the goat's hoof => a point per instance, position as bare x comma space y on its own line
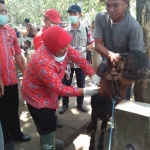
89, 128
92, 148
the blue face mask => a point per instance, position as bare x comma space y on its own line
59, 59
3, 19
73, 19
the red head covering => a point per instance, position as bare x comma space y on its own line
55, 38
53, 15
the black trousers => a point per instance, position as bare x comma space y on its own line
44, 119
32, 36
80, 77
9, 105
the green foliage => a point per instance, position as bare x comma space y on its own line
34, 9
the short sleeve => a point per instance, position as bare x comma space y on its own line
90, 39
136, 41
98, 33
16, 46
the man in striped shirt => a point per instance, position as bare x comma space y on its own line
81, 40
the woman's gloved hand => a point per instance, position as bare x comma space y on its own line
91, 91
95, 79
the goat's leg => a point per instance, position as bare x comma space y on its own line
93, 131
89, 127
101, 138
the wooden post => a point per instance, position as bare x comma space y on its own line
96, 59
142, 88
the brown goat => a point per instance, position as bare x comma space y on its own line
116, 82
133, 66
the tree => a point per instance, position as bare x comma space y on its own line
142, 88
34, 9
143, 17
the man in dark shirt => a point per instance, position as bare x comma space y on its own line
117, 32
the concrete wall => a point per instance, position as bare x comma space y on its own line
132, 125
96, 59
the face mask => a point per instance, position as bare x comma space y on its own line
3, 19
49, 25
73, 19
54, 25
59, 59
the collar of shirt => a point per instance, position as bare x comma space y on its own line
52, 56
70, 28
4, 27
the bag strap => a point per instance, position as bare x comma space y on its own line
86, 29
111, 33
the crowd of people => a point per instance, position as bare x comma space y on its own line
59, 53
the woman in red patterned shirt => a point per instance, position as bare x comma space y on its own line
42, 81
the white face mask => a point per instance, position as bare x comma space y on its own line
50, 25
54, 25
59, 59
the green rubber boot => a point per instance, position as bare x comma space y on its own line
48, 141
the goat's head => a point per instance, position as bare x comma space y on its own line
136, 65
132, 66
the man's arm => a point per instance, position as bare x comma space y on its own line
27, 33
102, 50
1, 88
20, 63
99, 43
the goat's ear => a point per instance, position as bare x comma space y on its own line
123, 56
103, 67
121, 64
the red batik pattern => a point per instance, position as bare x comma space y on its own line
8, 48
42, 81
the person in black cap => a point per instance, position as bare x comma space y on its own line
82, 40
